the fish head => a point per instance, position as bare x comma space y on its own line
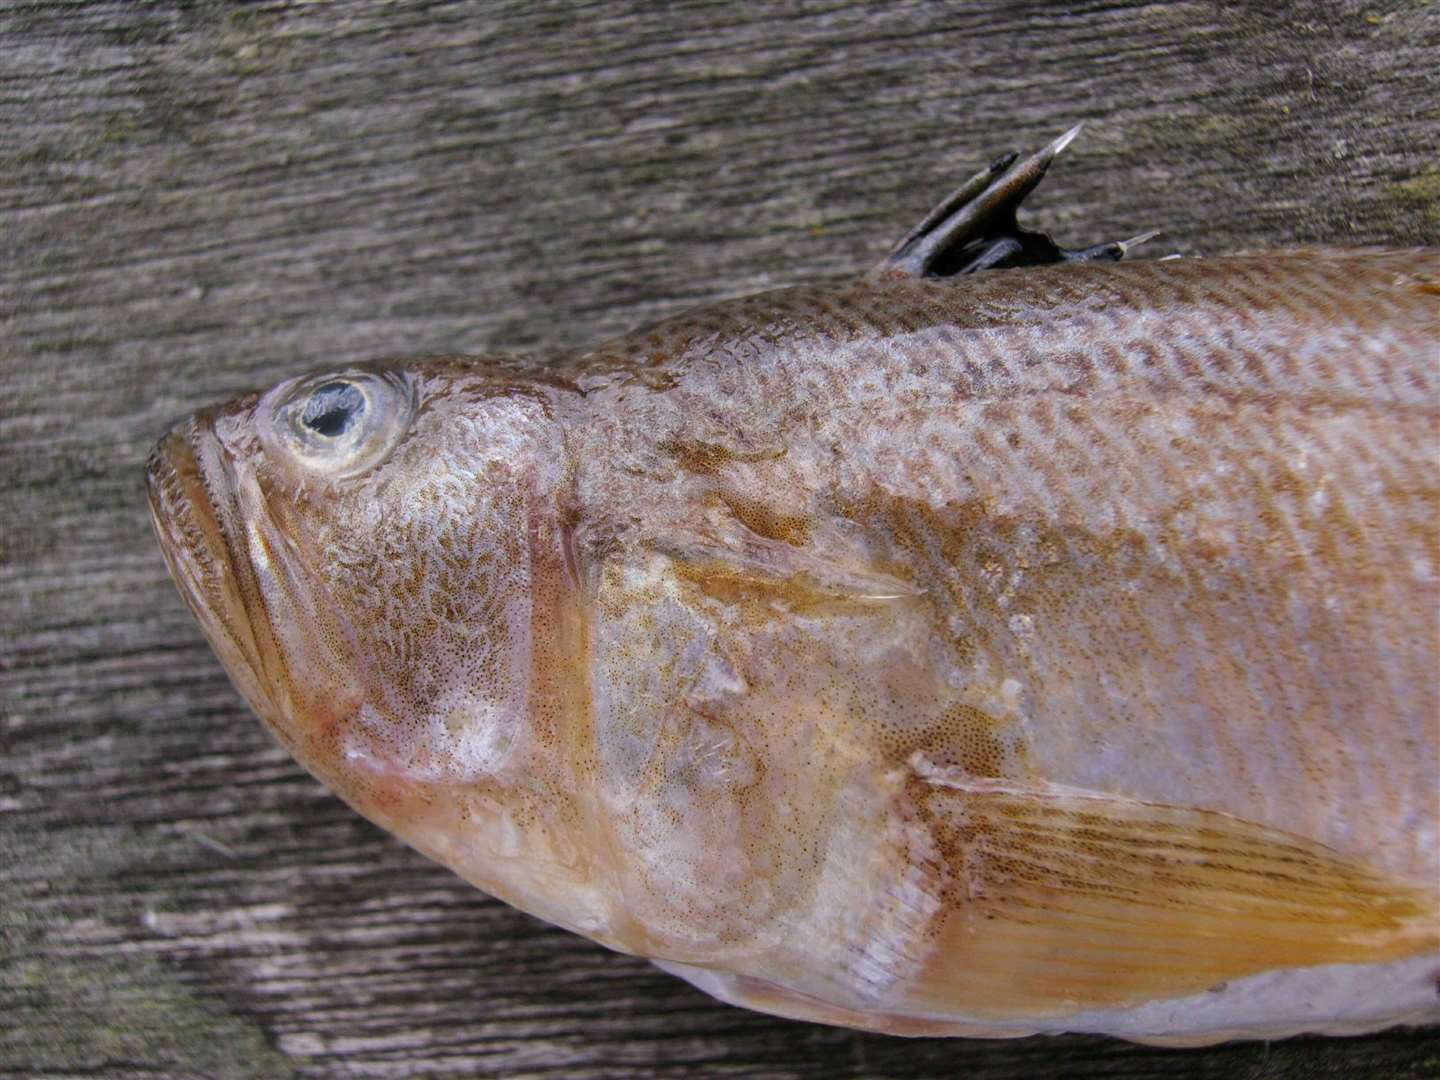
379, 556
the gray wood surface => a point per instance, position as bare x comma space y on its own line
196, 198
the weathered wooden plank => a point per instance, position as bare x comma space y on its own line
200, 197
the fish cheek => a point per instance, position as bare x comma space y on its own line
420, 657
459, 648
420, 598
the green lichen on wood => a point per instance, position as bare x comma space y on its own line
1421, 191
78, 991
94, 1014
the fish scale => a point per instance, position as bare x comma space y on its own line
1057, 449
1092, 449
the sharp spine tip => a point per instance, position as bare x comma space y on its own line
1063, 141
1136, 241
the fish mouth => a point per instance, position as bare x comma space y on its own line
197, 517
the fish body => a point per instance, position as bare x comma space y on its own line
1043, 649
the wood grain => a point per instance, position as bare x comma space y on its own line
196, 198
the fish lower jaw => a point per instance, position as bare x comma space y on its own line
1329, 999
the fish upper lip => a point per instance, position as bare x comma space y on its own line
190, 508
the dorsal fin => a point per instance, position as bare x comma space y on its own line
974, 228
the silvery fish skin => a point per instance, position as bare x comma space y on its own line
1044, 649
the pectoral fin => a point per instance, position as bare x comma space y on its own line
989, 908
1061, 900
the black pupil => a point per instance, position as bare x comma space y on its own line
332, 408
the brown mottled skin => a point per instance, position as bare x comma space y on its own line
983, 656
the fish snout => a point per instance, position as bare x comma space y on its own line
196, 519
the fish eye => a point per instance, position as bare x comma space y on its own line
340, 425
332, 409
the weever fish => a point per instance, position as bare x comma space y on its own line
1009, 640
